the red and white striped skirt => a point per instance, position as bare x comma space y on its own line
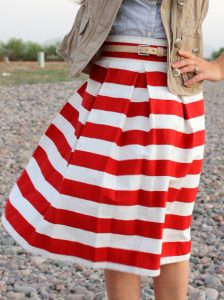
113, 180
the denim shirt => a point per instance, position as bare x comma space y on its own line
139, 18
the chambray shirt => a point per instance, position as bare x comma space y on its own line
139, 18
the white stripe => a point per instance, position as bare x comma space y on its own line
75, 99
174, 235
138, 94
130, 64
93, 87
137, 39
58, 231
58, 162
75, 259
66, 128
102, 147
145, 123
156, 92
172, 259
129, 182
179, 208
40, 184
54, 156
129, 92
192, 98
91, 208
151, 152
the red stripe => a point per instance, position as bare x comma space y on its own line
155, 136
150, 57
70, 114
30, 193
118, 168
127, 77
124, 197
84, 221
81, 90
105, 195
186, 195
176, 248
133, 78
59, 140
109, 196
177, 222
96, 224
144, 108
48, 171
98, 162
64, 247
146, 167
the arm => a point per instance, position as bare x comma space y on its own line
220, 63
208, 70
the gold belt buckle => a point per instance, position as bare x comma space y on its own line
159, 51
142, 50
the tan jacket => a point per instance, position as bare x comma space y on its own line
182, 21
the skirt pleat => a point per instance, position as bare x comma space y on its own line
113, 180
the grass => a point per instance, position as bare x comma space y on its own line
13, 73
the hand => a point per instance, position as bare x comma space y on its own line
207, 70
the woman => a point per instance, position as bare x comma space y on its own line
113, 181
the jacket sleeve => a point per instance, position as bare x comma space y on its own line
88, 68
70, 39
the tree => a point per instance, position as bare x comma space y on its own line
31, 50
2, 50
216, 54
14, 49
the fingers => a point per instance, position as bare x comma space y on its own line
194, 80
186, 54
190, 59
188, 65
182, 63
190, 68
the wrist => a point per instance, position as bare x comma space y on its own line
220, 66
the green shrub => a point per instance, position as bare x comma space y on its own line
50, 54
2, 50
14, 49
216, 54
31, 50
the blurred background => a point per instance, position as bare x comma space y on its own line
30, 26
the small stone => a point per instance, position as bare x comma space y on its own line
212, 281
94, 277
204, 227
195, 260
196, 294
76, 297
15, 296
24, 289
211, 294
60, 287
38, 260
218, 218
99, 296
25, 272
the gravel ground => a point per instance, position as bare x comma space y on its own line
26, 111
